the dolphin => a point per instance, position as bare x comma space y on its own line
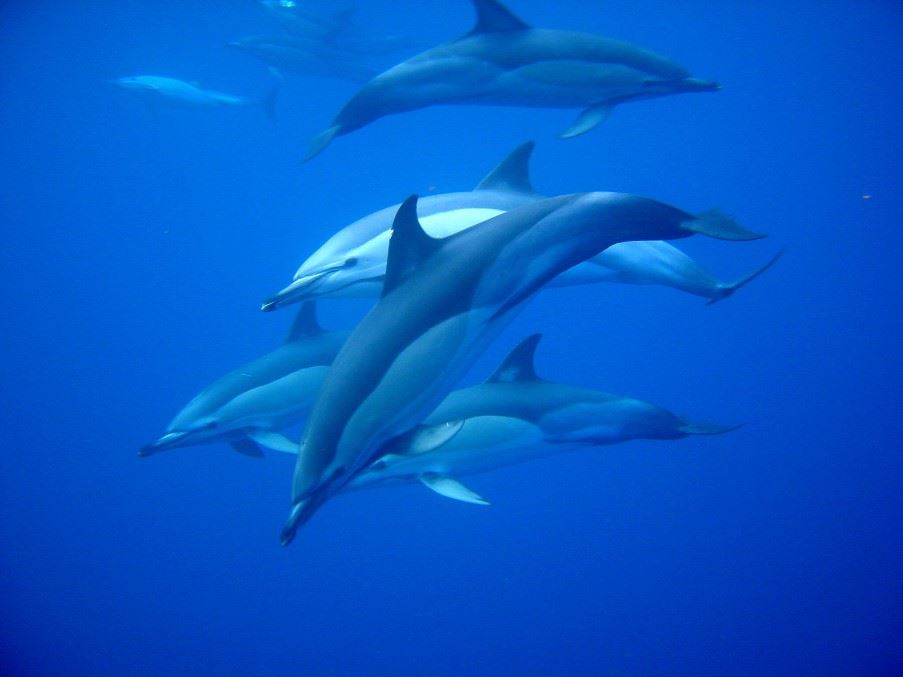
334, 28
247, 406
443, 301
352, 263
160, 90
299, 18
504, 62
305, 57
516, 416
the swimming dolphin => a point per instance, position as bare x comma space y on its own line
305, 57
502, 61
352, 263
336, 28
516, 416
159, 90
299, 18
443, 301
247, 406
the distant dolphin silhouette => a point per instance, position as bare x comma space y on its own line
443, 301
290, 54
160, 90
249, 405
516, 416
352, 263
336, 29
502, 61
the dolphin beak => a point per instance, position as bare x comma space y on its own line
697, 85
168, 441
296, 292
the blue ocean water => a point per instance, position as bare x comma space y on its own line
137, 249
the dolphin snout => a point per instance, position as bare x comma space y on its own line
296, 292
697, 85
168, 441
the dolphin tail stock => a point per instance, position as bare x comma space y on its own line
728, 288
720, 226
695, 428
321, 140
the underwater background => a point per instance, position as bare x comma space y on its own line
137, 248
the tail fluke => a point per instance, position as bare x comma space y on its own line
727, 289
720, 226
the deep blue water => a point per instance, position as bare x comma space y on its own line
136, 251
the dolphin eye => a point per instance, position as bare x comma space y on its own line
350, 262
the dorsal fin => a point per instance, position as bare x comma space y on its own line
494, 17
305, 324
409, 245
513, 173
518, 366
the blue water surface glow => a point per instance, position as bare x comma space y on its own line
138, 246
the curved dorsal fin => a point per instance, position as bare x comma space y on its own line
519, 365
409, 245
513, 173
305, 323
494, 17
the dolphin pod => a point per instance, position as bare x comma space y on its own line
248, 406
449, 271
503, 61
352, 263
443, 301
513, 417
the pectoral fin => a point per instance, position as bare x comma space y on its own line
426, 438
321, 140
589, 118
451, 488
246, 447
275, 441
